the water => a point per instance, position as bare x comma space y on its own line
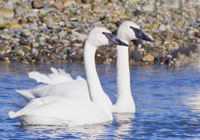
167, 102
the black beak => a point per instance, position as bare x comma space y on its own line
113, 40
140, 34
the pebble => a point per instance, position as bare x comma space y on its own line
148, 7
7, 59
148, 58
38, 4
58, 5
2, 23
162, 27
20, 10
172, 4
67, 3
10, 4
6, 13
13, 25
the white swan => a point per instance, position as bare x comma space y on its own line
54, 110
127, 31
60, 83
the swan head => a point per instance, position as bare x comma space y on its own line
129, 30
100, 36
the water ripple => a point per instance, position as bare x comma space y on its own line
167, 102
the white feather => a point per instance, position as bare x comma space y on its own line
56, 77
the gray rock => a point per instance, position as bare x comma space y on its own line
53, 25
148, 7
62, 34
35, 52
172, 4
25, 33
50, 22
162, 27
79, 36
20, 10
191, 34
54, 37
2, 21
6, 36
65, 42
35, 44
194, 2
33, 26
10, 4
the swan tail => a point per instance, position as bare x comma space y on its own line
12, 114
57, 76
26, 94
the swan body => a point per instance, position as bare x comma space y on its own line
56, 86
55, 110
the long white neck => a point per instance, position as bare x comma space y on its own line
125, 102
96, 92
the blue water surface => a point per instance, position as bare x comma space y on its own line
167, 103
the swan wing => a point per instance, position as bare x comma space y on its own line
58, 83
57, 76
61, 111
71, 89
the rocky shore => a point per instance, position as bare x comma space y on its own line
54, 31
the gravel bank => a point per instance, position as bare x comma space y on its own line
53, 31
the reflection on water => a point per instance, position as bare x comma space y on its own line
167, 104
194, 102
123, 125
83, 132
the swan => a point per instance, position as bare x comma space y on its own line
55, 110
127, 31
61, 84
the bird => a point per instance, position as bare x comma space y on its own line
126, 32
55, 110
62, 84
